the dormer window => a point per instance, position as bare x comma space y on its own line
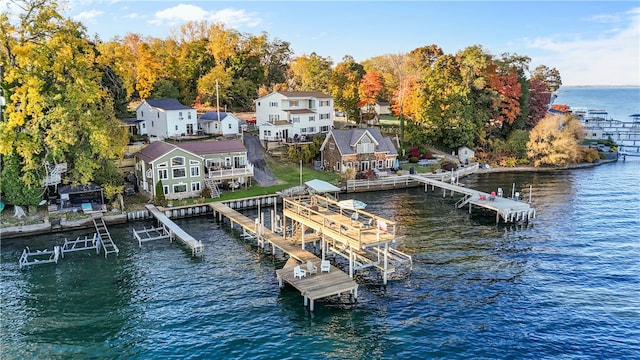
365, 146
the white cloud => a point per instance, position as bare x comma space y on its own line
87, 15
612, 58
186, 12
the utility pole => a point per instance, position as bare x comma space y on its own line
218, 104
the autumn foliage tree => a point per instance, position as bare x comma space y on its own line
58, 109
555, 141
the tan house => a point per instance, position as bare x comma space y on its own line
360, 149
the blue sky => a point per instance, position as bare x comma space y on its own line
590, 43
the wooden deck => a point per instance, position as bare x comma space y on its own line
510, 210
313, 286
196, 246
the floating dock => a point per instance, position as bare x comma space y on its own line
196, 246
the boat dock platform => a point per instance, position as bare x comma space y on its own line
196, 246
312, 286
510, 210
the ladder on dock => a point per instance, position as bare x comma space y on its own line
108, 245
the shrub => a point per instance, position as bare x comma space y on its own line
160, 200
448, 165
206, 193
413, 159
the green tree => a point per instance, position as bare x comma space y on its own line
160, 199
310, 73
549, 76
58, 109
343, 86
14, 190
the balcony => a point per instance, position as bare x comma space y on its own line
222, 173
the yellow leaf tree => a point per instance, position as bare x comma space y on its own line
555, 141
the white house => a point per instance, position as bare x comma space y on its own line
165, 118
381, 107
227, 124
289, 115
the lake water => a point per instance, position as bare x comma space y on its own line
565, 286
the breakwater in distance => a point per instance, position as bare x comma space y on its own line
565, 286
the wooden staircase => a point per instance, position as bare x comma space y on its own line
211, 184
104, 236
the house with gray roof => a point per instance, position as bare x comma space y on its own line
359, 149
185, 168
165, 118
226, 125
289, 115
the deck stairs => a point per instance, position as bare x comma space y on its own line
108, 245
213, 186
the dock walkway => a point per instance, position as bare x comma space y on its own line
196, 246
510, 210
313, 286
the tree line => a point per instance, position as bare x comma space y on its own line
65, 89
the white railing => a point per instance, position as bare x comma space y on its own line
233, 172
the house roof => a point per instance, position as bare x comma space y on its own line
300, 111
347, 139
299, 94
315, 94
200, 148
213, 116
209, 147
154, 150
167, 104
79, 189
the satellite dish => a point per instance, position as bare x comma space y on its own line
42, 202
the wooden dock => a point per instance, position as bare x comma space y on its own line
196, 246
510, 210
313, 286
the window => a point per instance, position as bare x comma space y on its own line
141, 113
158, 115
179, 188
356, 165
365, 146
303, 130
195, 186
227, 162
189, 115
176, 127
325, 102
229, 125
296, 119
324, 128
177, 161
152, 124
163, 174
380, 164
312, 118
274, 117
273, 104
195, 171
180, 114
349, 164
312, 129
179, 173
165, 189
144, 125
293, 103
332, 146
325, 116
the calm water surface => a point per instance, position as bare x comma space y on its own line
565, 286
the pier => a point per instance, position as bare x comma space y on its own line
196, 246
311, 286
510, 210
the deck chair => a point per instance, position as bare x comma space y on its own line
354, 217
311, 269
325, 265
298, 272
369, 223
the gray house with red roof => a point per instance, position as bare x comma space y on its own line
166, 118
186, 168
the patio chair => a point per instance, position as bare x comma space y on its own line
369, 223
298, 272
311, 269
325, 265
354, 217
